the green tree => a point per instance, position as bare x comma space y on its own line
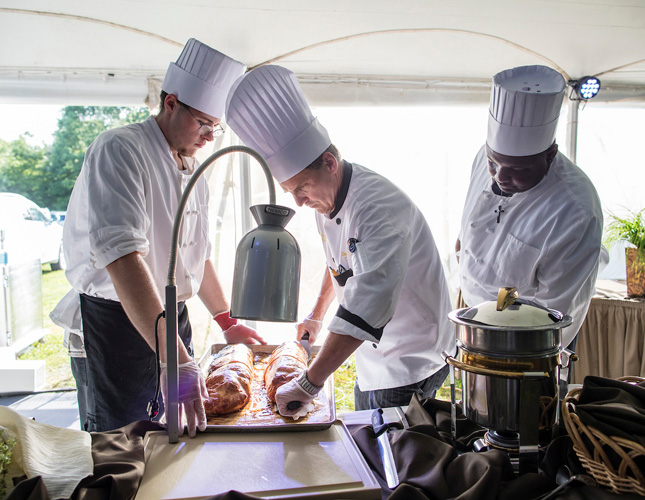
46, 174
77, 128
22, 168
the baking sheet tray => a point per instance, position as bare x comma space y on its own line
324, 464
260, 414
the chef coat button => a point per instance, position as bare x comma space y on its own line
338, 221
472, 224
466, 252
479, 261
490, 230
192, 243
476, 285
374, 345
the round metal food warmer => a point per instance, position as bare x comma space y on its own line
510, 370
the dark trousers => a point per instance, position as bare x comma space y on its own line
399, 396
118, 377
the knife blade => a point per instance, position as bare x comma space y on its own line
380, 431
304, 342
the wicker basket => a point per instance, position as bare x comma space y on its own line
593, 448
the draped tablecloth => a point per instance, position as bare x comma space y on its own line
611, 341
429, 466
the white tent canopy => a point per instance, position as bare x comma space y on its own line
359, 51
351, 53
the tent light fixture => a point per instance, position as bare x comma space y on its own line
586, 87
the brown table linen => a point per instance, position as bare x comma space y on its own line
611, 340
429, 466
118, 467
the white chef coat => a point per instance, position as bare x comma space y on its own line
389, 282
547, 243
125, 200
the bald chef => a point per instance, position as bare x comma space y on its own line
532, 218
382, 262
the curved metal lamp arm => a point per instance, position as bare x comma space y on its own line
172, 264
172, 405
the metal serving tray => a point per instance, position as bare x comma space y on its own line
321, 465
260, 414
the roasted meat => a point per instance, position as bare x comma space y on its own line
285, 363
229, 380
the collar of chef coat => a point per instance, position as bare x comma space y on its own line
344, 188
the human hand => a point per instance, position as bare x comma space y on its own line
293, 400
192, 390
313, 326
242, 334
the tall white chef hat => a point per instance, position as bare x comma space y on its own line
202, 77
524, 109
268, 111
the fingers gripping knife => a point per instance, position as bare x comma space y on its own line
380, 431
304, 342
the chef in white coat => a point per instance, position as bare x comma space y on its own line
382, 264
117, 242
532, 219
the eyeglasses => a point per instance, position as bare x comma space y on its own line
204, 128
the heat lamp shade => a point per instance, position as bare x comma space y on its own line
267, 276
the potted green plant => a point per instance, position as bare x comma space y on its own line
630, 228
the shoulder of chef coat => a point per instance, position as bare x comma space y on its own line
567, 201
576, 187
117, 173
575, 244
374, 197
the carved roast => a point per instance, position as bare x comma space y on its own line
229, 380
286, 362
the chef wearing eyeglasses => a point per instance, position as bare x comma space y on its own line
117, 241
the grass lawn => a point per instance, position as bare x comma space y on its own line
50, 348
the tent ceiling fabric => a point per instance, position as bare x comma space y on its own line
410, 51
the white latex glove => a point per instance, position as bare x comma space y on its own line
192, 389
313, 326
242, 334
292, 392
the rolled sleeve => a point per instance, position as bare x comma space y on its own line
343, 326
111, 243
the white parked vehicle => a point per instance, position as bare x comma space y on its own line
30, 232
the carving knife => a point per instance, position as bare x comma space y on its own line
304, 342
380, 431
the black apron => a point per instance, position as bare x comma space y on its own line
118, 377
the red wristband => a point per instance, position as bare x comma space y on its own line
225, 321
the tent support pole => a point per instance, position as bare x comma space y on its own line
572, 130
